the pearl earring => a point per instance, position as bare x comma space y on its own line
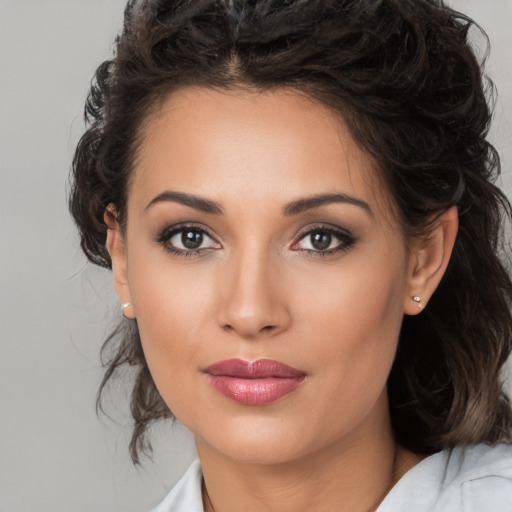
124, 306
418, 300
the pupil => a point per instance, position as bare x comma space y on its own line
321, 241
191, 239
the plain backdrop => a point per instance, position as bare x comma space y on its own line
55, 454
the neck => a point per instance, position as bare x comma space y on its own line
349, 475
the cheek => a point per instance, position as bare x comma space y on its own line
354, 316
363, 293
350, 337
168, 303
172, 304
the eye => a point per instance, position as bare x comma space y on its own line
324, 241
187, 240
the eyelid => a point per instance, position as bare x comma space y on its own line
322, 226
346, 238
165, 235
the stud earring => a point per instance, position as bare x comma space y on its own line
418, 300
125, 306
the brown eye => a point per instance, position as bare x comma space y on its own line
191, 239
183, 240
324, 241
320, 241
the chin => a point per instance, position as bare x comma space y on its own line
257, 441
270, 452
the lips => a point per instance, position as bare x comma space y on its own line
258, 382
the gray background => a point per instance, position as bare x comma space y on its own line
55, 455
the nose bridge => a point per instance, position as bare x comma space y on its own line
254, 303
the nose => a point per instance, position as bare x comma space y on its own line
253, 303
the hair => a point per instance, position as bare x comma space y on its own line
404, 78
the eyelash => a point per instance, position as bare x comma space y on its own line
168, 233
345, 238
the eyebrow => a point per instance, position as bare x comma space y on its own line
196, 202
293, 208
309, 203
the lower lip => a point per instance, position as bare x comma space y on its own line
254, 391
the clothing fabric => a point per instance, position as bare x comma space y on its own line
473, 479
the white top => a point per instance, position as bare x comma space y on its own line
475, 479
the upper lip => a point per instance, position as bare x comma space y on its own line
259, 369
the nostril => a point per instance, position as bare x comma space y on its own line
249, 332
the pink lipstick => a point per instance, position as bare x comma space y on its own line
258, 382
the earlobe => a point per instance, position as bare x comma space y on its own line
116, 250
428, 259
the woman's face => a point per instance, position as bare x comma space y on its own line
257, 231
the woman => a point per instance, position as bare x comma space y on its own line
296, 199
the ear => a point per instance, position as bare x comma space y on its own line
116, 250
428, 259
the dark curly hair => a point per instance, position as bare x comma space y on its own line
404, 78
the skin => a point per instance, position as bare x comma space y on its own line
257, 287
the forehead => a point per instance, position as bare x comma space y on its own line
247, 146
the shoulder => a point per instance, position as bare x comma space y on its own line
470, 479
185, 496
480, 461
480, 477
